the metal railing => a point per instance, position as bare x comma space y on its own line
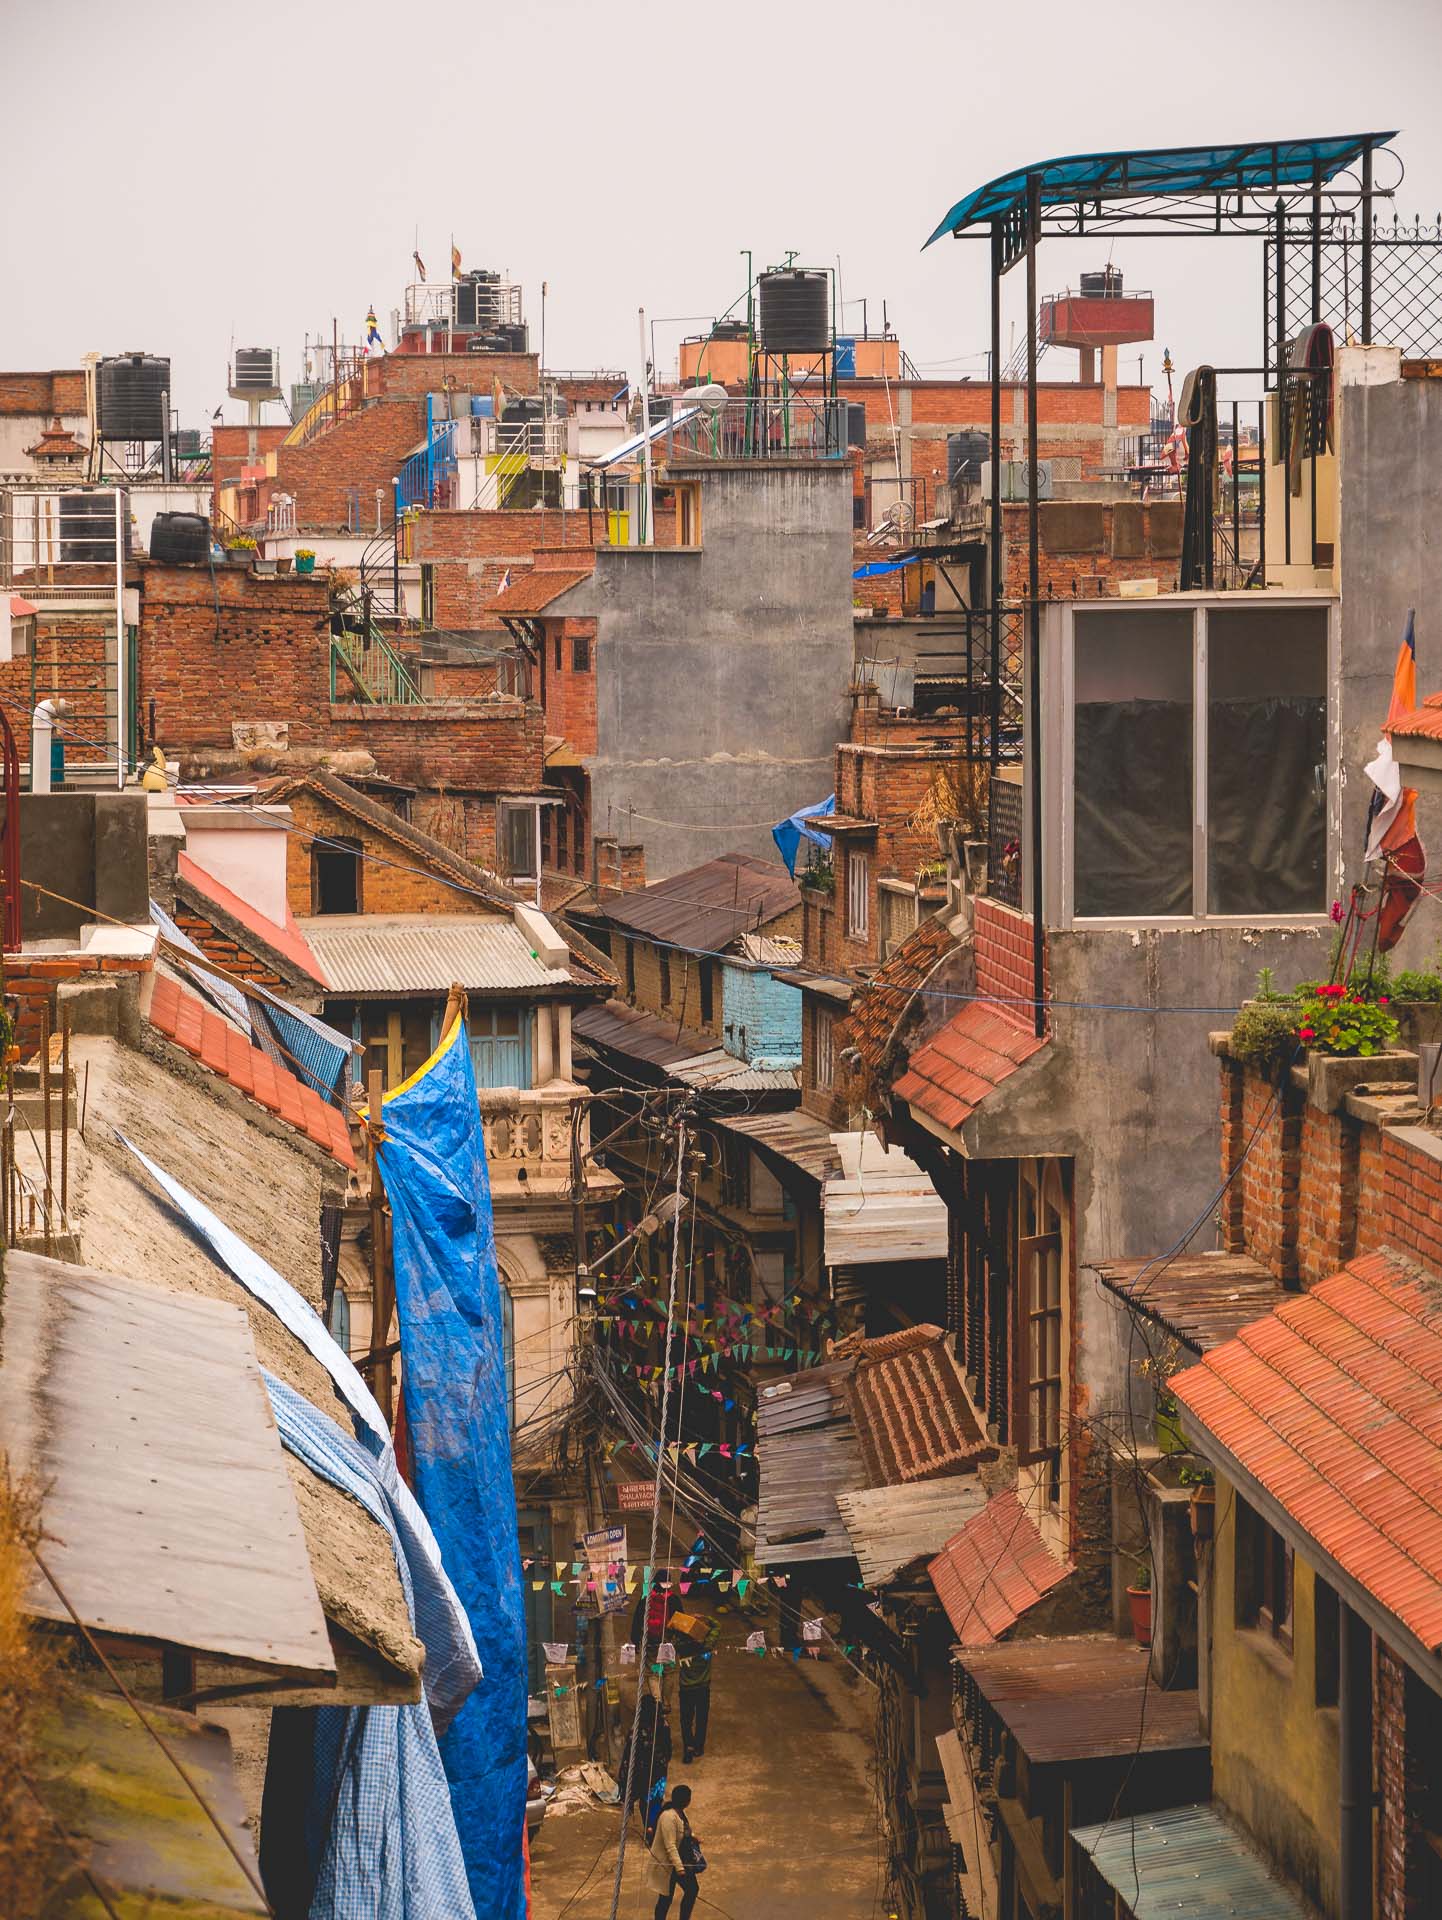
340, 397
374, 672
428, 477
784, 427
280, 514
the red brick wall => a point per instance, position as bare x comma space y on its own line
393, 876
1389, 1751
30, 985
1001, 941
1083, 575
570, 691
421, 373
361, 452
230, 451
70, 661
470, 553
59, 391
496, 746
220, 948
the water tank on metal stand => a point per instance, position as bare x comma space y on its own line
856, 423
87, 526
793, 312
257, 370
130, 397
180, 539
965, 452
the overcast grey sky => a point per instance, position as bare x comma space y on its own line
194, 176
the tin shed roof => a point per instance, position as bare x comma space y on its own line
708, 907
889, 1527
1201, 1299
991, 1572
143, 1416
806, 1446
797, 1137
1086, 1697
1332, 1406
881, 1206
394, 955
1186, 1864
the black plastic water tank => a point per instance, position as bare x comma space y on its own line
856, 423
794, 311
255, 367
87, 526
130, 396
965, 452
1106, 285
180, 539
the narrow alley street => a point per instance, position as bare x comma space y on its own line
784, 1805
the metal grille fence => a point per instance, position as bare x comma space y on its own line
1406, 286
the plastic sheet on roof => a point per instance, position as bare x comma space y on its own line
1149, 173
448, 1295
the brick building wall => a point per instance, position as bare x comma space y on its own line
218, 946
60, 390
361, 452
1002, 945
470, 553
230, 451
417, 374
75, 659
1087, 547
30, 984
393, 876
569, 668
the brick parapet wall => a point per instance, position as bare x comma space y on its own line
30, 984
363, 451
1002, 943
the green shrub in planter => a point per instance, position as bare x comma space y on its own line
1264, 1034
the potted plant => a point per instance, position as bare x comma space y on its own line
1417, 1003
1335, 1018
282, 564
263, 566
241, 550
1139, 1600
305, 560
1204, 1498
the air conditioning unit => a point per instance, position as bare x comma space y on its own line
1014, 479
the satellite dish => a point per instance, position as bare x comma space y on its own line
712, 398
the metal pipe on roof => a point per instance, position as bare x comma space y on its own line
1033, 567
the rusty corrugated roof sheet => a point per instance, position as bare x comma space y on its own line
993, 1570
1189, 1863
807, 1452
910, 1409
792, 1135
948, 1078
1083, 1697
1332, 1404
708, 907
1200, 1299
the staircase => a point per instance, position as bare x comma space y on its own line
1015, 368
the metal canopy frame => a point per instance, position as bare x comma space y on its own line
1244, 191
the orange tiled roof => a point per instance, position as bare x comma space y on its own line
184, 1018
990, 1573
1333, 1405
288, 940
979, 1048
535, 591
878, 1006
910, 1410
1422, 723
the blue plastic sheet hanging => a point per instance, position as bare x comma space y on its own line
457, 1410
790, 832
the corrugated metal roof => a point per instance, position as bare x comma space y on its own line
807, 1450
912, 1416
716, 1070
641, 1036
142, 1416
1185, 1864
969, 1058
1331, 1405
889, 1527
993, 1570
146, 1838
1201, 1299
792, 1135
708, 907
393, 955
882, 1206
771, 949
1083, 1698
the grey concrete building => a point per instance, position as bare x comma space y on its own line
722, 665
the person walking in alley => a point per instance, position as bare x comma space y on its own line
673, 1854
645, 1762
693, 1660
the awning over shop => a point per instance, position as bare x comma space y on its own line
996, 1568
881, 1207
1184, 1864
163, 1389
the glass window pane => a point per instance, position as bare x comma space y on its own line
1267, 760
1133, 763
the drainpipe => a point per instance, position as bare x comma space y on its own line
42, 739
1355, 1698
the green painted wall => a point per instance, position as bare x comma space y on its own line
1274, 1751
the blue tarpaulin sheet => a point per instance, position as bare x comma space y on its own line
875, 567
433, 1162
380, 1829
790, 832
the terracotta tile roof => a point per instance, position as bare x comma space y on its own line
968, 1058
993, 1571
271, 939
1422, 723
185, 1019
878, 1007
910, 1409
535, 591
1333, 1405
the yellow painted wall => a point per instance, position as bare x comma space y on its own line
1274, 1752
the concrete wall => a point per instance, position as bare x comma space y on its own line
89, 847
723, 670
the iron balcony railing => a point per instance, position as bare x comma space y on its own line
783, 427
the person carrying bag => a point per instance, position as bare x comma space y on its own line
676, 1857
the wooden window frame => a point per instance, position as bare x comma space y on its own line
663, 966
336, 844
858, 896
823, 1048
706, 975
1041, 1391
580, 653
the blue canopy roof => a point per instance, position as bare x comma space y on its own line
1157, 172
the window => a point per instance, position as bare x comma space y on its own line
500, 1045
340, 1319
858, 895
580, 653
557, 644
1263, 1577
630, 969
707, 972
1041, 1252
665, 962
563, 849
1200, 764
335, 874
518, 834
823, 1063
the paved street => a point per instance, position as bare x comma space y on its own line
783, 1805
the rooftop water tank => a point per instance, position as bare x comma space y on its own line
130, 396
856, 423
87, 526
794, 311
965, 453
257, 370
180, 539
1106, 285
